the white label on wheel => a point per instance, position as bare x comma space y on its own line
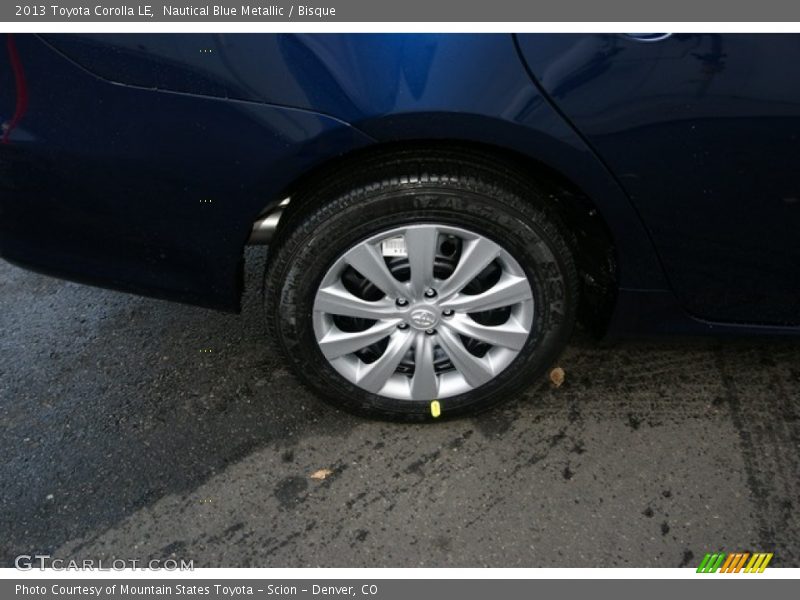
394, 247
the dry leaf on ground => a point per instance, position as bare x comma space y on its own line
557, 377
320, 474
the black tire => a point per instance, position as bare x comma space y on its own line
457, 188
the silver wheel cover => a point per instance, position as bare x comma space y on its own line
424, 322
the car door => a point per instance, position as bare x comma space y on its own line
703, 132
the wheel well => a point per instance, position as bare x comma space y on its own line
579, 218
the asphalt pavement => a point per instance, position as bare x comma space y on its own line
135, 428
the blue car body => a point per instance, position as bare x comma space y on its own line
140, 162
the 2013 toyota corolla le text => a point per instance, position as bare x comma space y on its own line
440, 209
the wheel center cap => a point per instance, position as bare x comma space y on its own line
423, 317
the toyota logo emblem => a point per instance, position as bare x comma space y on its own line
423, 318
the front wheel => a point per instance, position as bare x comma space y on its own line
439, 290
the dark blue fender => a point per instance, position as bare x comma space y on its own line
124, 136
145, 191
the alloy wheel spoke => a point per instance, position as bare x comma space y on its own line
367, 260
421, 245
336, 343
374, 376
424, 383
510, 290
337, 300
475, 370
476, 255
509, 335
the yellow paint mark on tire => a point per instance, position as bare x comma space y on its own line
436, 409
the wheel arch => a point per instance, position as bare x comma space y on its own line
587, 231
